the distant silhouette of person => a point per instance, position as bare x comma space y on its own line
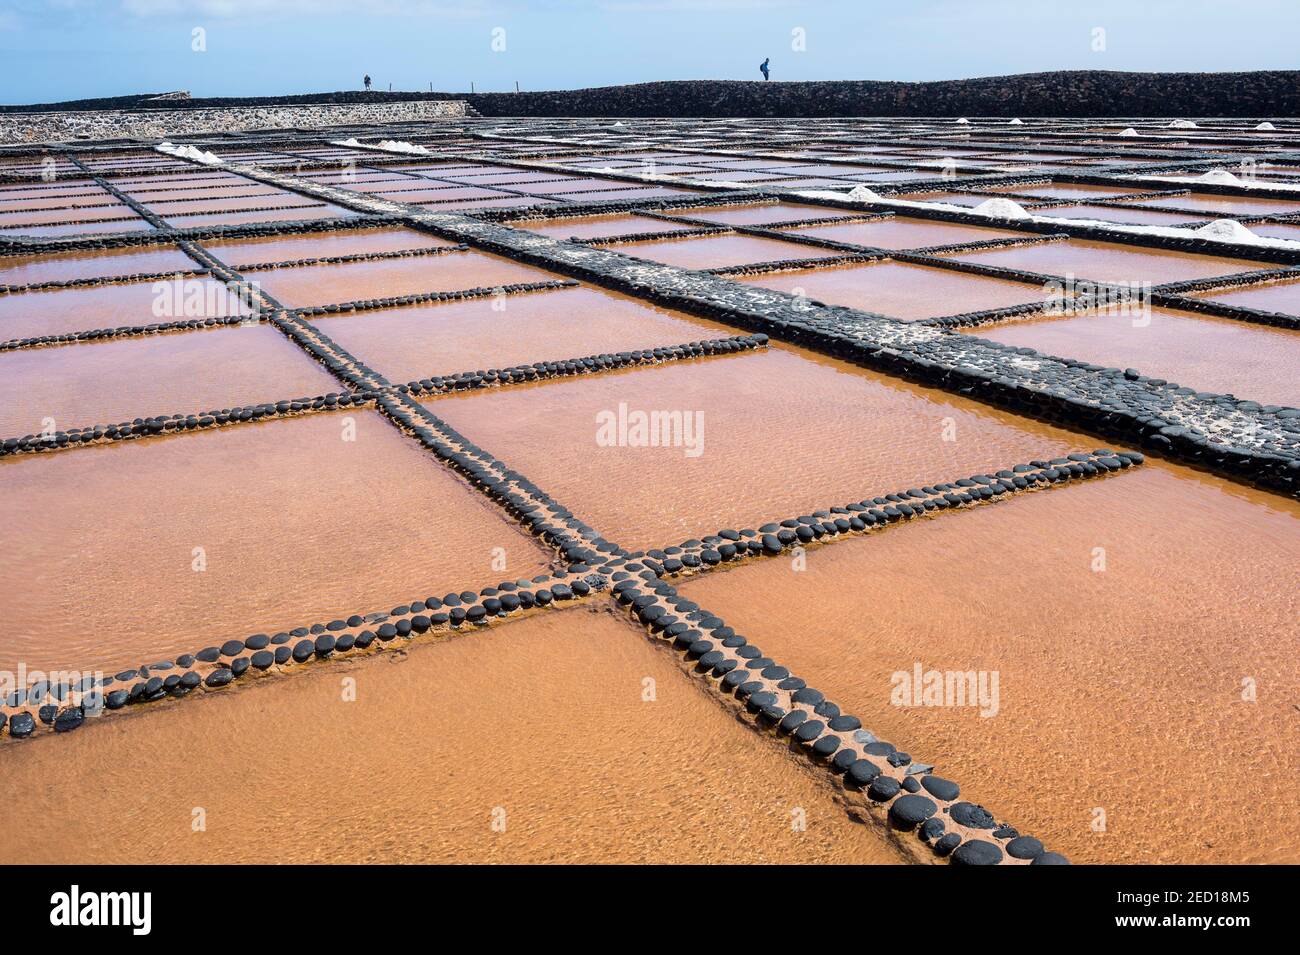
367, 82
763, 69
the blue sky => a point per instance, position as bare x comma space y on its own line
64, 49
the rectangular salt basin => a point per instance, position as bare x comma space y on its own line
289, 214
1119, 688
1229, 205
1113, 212
113, 381
60, 311
66, 266
718, 251
1281, 297
188, 207
134, 224
102, 213
1202, 352
903, 233
296, 523
1111, 262
423, 341
569, 797
899, 290
784, 432
354, 281
765, 214
317, 245
595, 227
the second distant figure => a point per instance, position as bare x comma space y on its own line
763, 68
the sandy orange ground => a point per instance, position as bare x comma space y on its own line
1120, 690
543, 720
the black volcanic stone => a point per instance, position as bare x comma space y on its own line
883, 788
283, 654
219, 677
263, 659
1050, 858
1024, 847
69, 718
208, 654
809, 730
303, 649
932, 828
972, 816
947, 844
977, 852
258, 641
908, 811
21, 725
862, 772
232, 648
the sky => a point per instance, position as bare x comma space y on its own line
68, 49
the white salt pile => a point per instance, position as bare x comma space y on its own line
963, 121
1015, 122
190, 152
1130, 131
1220, 177
1266, 125
1001, 209
1182, 124
863, 194
1228, 229
384, 145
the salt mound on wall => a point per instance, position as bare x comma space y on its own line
397, 146
1221, 176
963, 121
863, 194
1001, 209
1130, 131
1183, 124
1015, 122
190, 152
1266, 125
1229, 229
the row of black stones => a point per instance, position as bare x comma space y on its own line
355, 257
97, 280
181, 423
593, 364
65, 707
129, 331
856, 517
984, 245
783, 704
991, 316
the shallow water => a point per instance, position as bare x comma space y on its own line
902, 233
784, 432
718, 251
235, 252
422, 341
59, 311
31, 269
899, 290
540, 726
1275, 297
1120, 690
113, 381
353, 281
1202, 352
297, 525
594, 227
1107, 262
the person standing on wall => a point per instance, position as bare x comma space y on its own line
763, 69
367, 82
